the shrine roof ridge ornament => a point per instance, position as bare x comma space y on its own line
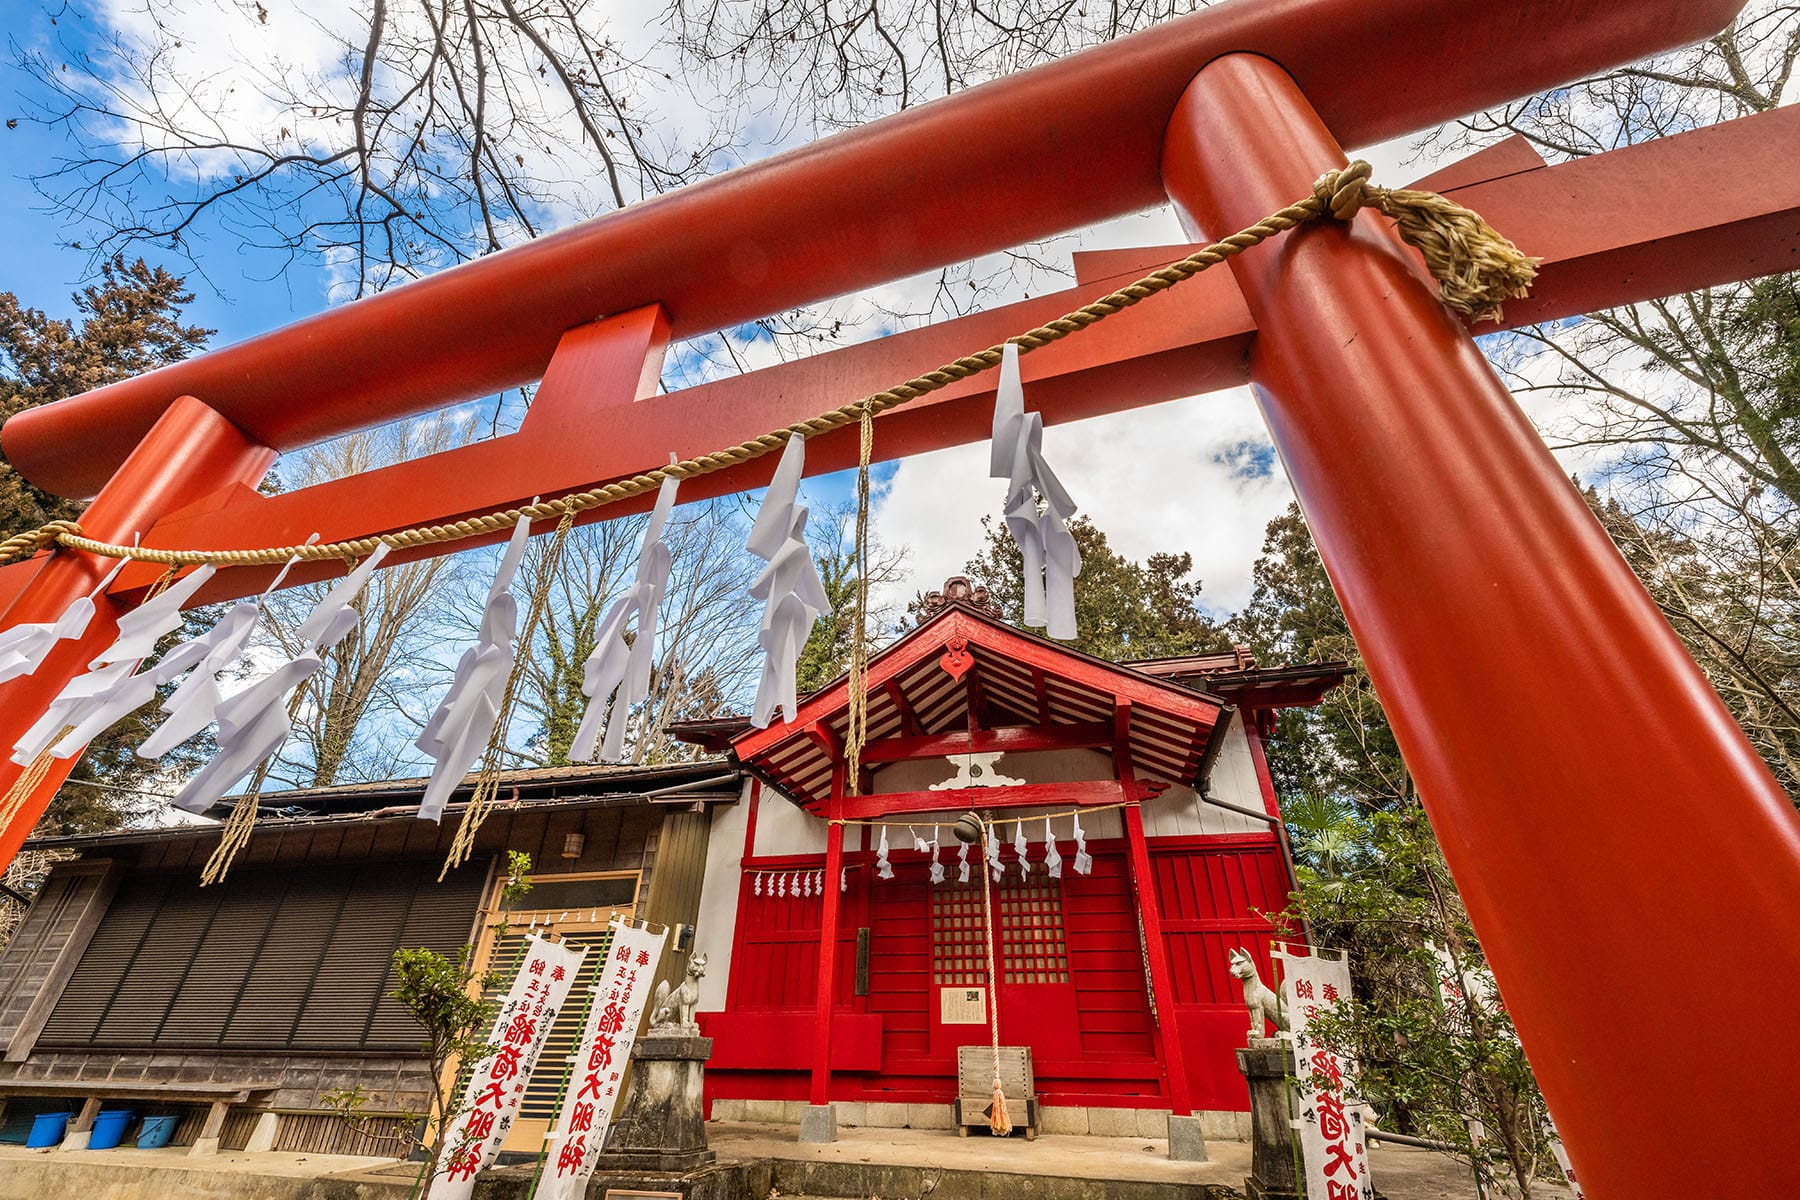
827, 219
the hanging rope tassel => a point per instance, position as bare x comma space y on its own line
1477, 269
28, 781
999, 1120
234, 835
858, 714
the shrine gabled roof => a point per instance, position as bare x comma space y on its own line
921, 689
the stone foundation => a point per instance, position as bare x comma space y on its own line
1097, 1122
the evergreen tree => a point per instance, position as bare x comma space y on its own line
126, 323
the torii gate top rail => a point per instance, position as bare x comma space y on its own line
1051, 149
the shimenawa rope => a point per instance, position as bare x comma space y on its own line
1477, 270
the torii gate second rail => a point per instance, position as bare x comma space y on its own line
1615, 837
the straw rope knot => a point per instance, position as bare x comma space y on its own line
1343, 191
1477, 268
44, 537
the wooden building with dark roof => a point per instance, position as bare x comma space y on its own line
237, 1006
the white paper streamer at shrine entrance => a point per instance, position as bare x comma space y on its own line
459, 730
23, 648
620, 665
497, 1081
1050, 556
1052, 856
1333, 1146
587, 1109
792, 594
88, 697
255, 722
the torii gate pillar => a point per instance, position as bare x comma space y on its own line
190, 453
1619, 845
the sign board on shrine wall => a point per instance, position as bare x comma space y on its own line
962, 1005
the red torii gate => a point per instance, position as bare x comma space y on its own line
1616, 839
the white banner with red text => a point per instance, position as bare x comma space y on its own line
592, 1098
1333, 1143
497, 1079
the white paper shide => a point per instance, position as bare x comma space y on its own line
793, 596
1037, 506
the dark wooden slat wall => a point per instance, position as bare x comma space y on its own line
46, 947
321, 907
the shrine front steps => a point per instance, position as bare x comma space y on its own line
756, 1179
1063, 1119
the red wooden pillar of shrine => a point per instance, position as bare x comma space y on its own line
191, 452
1616, 839
1156, 948
822, 1127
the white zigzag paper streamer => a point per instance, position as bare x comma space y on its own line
792, 594
459, 730
23, 648
1051, 558
618, 667
254, 723
87, 700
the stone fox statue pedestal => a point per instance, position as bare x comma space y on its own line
1267, 1063
662, 1127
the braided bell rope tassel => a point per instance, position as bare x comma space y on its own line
999, 1120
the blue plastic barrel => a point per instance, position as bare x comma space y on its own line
48, 1129
156, 1131
109, 1128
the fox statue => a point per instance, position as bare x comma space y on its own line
675, 1007
1264, 1004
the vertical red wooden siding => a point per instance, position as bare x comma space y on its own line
1211, 890
1092, 1036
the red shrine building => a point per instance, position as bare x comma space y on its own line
1113, 969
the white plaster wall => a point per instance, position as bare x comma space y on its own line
1178, 812
1234, 771
783, 827
717, 921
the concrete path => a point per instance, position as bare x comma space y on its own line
1402, 1173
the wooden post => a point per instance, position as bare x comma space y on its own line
84, 1120
208, 1141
